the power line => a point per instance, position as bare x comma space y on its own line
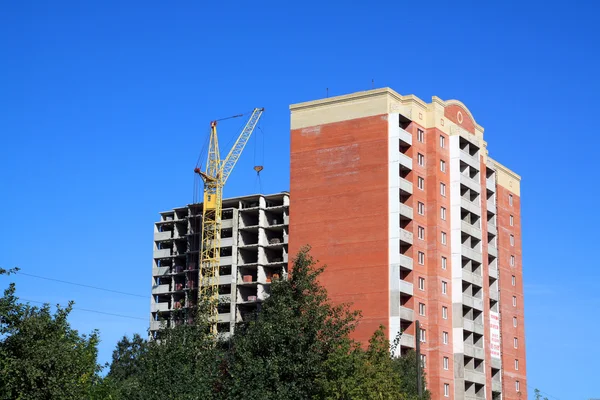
82, 285
88, 310
541, 392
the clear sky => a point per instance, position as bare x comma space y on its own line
104, 107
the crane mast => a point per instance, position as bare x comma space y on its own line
215, 176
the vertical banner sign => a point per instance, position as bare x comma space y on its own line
494, 334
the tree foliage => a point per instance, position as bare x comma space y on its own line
41, 356
284, 351
297, 347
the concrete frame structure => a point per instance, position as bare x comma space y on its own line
426, 226
254, 245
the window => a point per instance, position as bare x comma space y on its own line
421, 309
443, 237
444, 287
444, 262
423, 361
446, 363
514, 280
421, 232
516, 365
420, 136
421, 283
420, 183
510, 199
422, 335
443, 213
514, 301
421, 258
446, 390
512, 261
445, 337
421, 208
515, 322
512, 220
445, 312
442, 141
517, 386
421, 159
516, 343
442, 189
512, 240
442, 165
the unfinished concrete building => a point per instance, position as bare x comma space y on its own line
254, 251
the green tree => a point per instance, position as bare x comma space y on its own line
406, 367
355, 374
183, 363
282, 353
538, 395
41, 356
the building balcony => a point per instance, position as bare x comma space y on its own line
406, 314
225, 260
492, 228
491, 206
161, 236
468, 325
473, 161
406, 186
405, 136
470, 183
225, 279
493, 272
157, 325
406, 211
407, 340
160, 289
473, 254
494, 294
472, 326
490, 183
406, 236
224, 317
473, 302
220, 280
474, 351
492, 250
405, 161
472, 278
226, 242
226, 223
496, 386
406, 287
160, 271
470, 229
474, 376
496, 363
162, 253
406, 262
159, 307
470, 206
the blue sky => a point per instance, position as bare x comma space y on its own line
104, 107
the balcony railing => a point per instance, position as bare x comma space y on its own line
406, 287
405, 161
406, 236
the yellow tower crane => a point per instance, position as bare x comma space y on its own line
214, 177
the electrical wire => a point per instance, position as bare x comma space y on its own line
82, 285
541, 392
88, 310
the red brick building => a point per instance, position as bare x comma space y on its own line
415, 222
